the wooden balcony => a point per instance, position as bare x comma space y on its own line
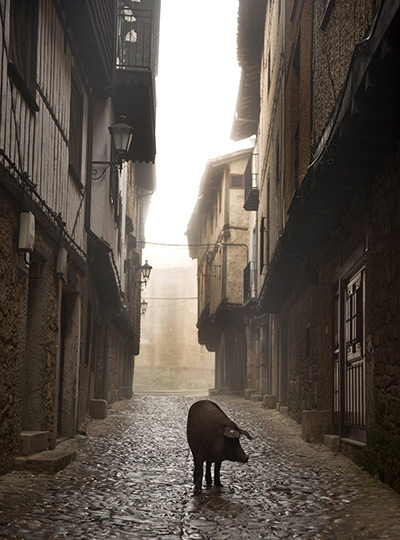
137, 60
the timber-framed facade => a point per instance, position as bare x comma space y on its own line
71, 234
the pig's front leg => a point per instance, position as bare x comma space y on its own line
198, 475
208, 473
217, 470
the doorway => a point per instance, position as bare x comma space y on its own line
68, 364
349, 373
33, 396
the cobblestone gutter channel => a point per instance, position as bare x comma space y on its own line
132, 480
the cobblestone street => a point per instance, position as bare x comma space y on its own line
133, 480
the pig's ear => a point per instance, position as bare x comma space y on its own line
243, 432
231, 433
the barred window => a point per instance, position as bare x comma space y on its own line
354, 320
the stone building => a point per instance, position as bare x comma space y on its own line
170, 358
325, 110
73, 208
217, 234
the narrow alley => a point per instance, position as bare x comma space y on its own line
133, 480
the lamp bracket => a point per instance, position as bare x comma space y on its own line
107, 165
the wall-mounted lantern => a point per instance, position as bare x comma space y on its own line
26, 237
145, 270
121, 136
143, 307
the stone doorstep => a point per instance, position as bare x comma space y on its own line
49, 461
33, 442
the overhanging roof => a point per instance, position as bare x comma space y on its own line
364, 127
250, 41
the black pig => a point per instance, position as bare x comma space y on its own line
212, 438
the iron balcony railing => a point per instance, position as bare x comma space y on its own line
249, 282
135, 36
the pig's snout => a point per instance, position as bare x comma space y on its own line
243, 458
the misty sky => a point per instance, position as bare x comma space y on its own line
197, 87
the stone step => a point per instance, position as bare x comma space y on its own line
49, 461
33, 442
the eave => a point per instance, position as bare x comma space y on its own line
134, 98
104, 272
250, 41
92, 24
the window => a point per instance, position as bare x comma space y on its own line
23, 45
354, 317
75, 130
349, 363
236, 181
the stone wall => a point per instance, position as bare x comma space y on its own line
333, 47
302, 349
13, 291
42, 361
311, 306
29, 335
383, 323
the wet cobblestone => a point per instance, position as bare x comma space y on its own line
133, 480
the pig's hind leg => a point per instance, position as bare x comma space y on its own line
198, 475
217, 470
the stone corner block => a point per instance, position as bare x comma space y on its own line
332, 442
314, 424
248, 392
98, 409
32, 442
256, 397
269, 402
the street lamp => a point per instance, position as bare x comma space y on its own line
121, 135
145, 271
143, 307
